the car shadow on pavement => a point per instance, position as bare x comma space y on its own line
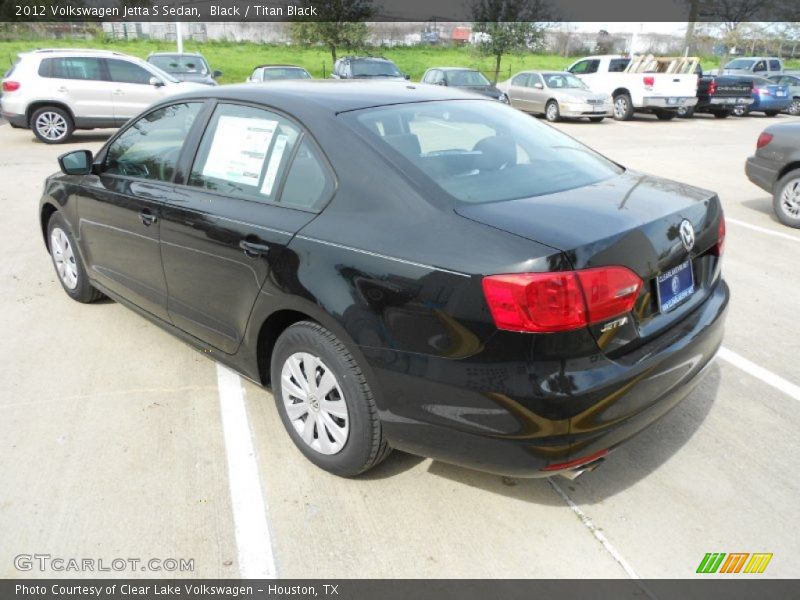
762, 205
626, 466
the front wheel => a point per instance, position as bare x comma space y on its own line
551, 112
623, 107
52, 125
786, 199
67, 262
325, 402
666, 115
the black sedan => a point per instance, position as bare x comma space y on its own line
407, 267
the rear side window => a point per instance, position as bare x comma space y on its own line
244, 152
309, 183
81, 68
520, 80
774, 65
122, 71
149, 149
617, 65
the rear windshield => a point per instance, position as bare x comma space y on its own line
272, 73
482, 151
180, 64
375, 68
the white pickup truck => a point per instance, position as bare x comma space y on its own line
641, 83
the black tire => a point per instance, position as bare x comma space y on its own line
596, 119
771, 113
551, 111
365, 445
794, 107
787, 212
82, 290
740, 110
722, 114
623, 107
666, 115
686, 112
61, 121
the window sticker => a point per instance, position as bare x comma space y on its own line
238, 149
274, 163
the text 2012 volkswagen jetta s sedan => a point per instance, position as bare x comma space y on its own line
407, 267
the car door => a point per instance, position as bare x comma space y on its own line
80, 83
120, 207
516, 91
222, 231
132, 91
536, 93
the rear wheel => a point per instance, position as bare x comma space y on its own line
786, 199
52, 125
771, 113
596, 119
686, 112
740, 110
666, 115
325, 402
794, 107
551, 112
67, 262
623, 107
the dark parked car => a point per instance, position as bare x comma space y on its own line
185, 67
409, 267
275, 72
775, 168
768, 97
466, 79
720, 95
366, 67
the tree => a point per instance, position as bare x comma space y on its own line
338, 23
509, 26
732, 31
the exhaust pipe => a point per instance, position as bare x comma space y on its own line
573, 474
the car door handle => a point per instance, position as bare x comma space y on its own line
62, 89
253, 249
147, 217
118, 92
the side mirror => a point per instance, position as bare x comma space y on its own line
156, 82
538, 86
407, 76
78, 162
216, 74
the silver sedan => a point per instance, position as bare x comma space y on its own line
556, 95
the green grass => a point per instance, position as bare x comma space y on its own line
237, 59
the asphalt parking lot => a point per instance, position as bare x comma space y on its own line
117, 440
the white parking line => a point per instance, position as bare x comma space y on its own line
587, 521
779, 234
253, 539
768, 377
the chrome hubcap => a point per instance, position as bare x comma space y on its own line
794, 108
552, 112
314, 403
620, 107
51, 125
64, 258
790, 199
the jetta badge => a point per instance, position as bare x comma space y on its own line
687, 235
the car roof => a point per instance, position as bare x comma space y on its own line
174, 54
332, 95
279, 66
453, 69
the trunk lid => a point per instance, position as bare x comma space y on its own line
632, 220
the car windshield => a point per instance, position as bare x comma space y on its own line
273, 73
740, 63
182, 64
563, 81
466, 78
480, 151
375, 68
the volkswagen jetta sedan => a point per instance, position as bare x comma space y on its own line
408, 267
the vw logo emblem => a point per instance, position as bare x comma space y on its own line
687, 235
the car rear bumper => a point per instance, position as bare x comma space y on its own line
768, 103
730, 101
508, 418
761, 172
675, 102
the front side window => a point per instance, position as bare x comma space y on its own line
760, 66
72, 68
149, 149
585, 67
481, 151
122, 71
467, 78
244, 152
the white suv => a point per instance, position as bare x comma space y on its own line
53, 92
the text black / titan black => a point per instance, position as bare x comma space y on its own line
407, 267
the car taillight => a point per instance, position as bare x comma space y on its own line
649, 80
719, 247
762, 91
763, 139
712, 88
560, 301
10, 86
